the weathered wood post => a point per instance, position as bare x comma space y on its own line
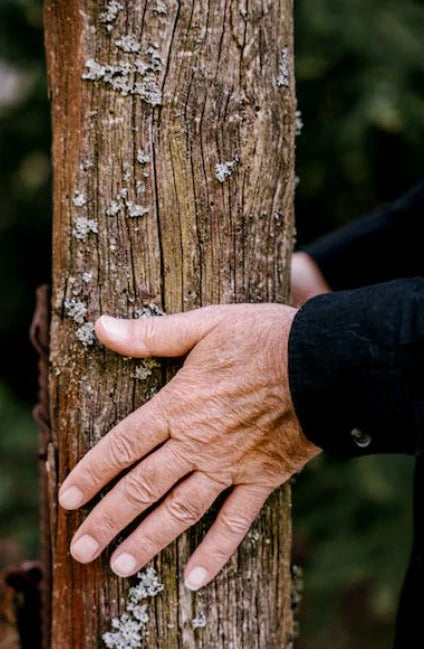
173, 152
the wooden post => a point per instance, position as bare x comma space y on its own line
173, 152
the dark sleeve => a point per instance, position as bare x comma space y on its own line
356, 369
386, 244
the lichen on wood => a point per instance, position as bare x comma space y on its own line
202, 89
129, 630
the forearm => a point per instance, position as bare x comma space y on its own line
384, 245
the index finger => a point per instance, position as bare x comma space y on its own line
130, 440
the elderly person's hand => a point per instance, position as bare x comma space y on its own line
306, 279
225, 421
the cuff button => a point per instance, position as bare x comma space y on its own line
360, 438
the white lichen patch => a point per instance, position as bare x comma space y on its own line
129, 629
154, 389
283, 78
138, 78
83, 227
142, 157
113, 121
86, 165
128, 43
118, 76
110, 14
114, 208
160, 8
79, 199
140, 187
254, 535
134, 210
148, 310
145, 368
139, 611
155, 59
149, 585
224, 170
87, 277
149, 91
126, 632
199, 622
75, 310
86, 335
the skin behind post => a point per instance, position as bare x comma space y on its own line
173, 189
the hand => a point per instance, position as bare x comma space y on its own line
306, 279
225, 420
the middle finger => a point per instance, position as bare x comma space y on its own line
182, 508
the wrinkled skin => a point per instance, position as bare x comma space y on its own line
225, 421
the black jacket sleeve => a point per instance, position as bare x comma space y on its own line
356, 375
383, 245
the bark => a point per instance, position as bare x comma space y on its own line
211, 82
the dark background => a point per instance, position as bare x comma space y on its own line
360, 74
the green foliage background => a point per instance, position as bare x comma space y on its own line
360, 71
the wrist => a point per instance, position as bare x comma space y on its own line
306, 448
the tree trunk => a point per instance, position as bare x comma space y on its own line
173, 150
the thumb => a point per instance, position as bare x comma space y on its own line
169, 335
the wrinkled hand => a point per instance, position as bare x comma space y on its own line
225, 420
306, 279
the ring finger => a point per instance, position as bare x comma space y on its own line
182, 508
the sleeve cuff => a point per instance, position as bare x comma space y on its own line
354, 363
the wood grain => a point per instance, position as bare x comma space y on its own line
202, 241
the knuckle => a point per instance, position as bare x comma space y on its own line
181, 510
138, 491
94, 472
119, 450
104, 526
150, 545
220, 554
234, 525
147, 334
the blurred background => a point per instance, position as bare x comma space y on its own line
360, 75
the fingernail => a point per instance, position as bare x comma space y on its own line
71, 498
124, 565
196, 578
85, 548
116, 329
